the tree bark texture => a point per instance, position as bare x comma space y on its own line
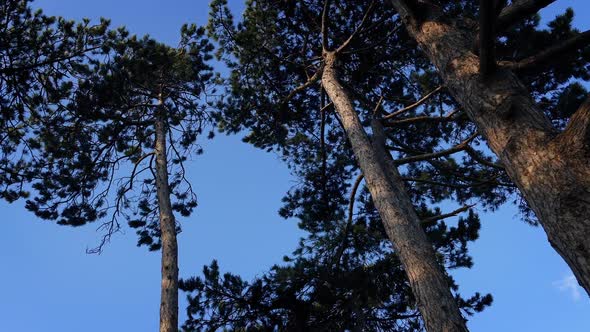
427, 279
550, 168
169, 290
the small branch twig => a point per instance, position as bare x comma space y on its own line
414, 105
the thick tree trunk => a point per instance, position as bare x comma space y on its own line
428, 281
551, 169
169, 290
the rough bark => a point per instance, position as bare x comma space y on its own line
169, 290
428, 281
550, 168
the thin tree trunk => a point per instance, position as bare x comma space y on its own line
428, 281
169, 290
551, 169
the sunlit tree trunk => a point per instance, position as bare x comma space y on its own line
427, 279
169, 290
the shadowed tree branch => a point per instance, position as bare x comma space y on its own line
348, 226
447, 215
579, 41
518, 11
487, 38
459, 147
452, 116
414, 105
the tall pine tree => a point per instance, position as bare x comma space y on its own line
133, 121
98, 126
305, 70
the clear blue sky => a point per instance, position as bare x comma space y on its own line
48, 283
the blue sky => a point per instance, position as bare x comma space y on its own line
50, 284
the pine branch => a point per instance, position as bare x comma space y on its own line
580, 41
518, 11
49, 61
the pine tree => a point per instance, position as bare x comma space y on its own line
101, 124
508, 75
134, 120
302, 71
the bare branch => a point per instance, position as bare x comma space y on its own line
579, 41
355, 188
452, 116
358, 29
328, 105
377, 107
414, 105
447, 215
348, 226
459, 147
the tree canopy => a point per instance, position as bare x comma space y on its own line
80, 127
93, 121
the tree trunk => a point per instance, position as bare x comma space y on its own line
428, 281
551, 169
169, 291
